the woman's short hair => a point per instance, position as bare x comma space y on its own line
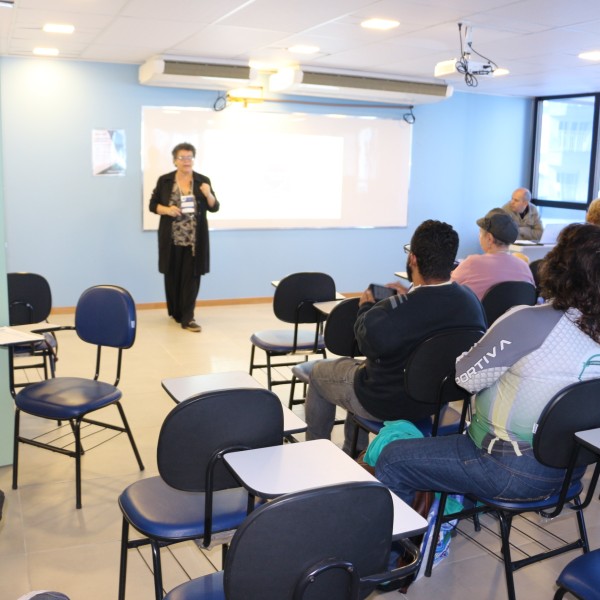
183, 146
570, 275
593, 214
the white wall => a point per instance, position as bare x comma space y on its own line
469, 153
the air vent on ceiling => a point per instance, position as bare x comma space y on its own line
183, 74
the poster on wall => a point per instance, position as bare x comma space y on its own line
108, 152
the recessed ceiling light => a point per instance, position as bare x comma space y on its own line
592, 55
381, 24
7, 3
58, 28
303, 49
46, 51
500, 71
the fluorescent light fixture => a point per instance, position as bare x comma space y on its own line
58, 28
7, 3
445, 68
592, 55
45, 51
303, 49
381, 24
246, 93
284, 79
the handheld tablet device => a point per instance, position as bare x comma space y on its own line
381, 292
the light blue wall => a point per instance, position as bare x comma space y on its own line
6, 401
469, 153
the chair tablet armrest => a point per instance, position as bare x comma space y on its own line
52, 328
399, 572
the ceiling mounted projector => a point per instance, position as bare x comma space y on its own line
465, 66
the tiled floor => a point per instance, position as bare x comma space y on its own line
45, 543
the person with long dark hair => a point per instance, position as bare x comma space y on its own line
524, 359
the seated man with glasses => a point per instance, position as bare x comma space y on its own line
387, 332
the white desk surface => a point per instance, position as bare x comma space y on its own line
327, 306
401, 274
590, 439
11, 336
271, 472
532, 251
181, 388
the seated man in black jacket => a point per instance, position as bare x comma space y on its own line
387, 332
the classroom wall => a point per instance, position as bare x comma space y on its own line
469, 153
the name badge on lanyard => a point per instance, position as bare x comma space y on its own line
188, 205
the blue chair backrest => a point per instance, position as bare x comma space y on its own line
294, 296
280, 543
105, 316
29, 298
203, 425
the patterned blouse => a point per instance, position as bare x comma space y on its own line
184, 226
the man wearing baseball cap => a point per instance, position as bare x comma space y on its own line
497, 231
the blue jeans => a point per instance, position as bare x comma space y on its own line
332, 384
454, 464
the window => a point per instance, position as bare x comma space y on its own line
566, 139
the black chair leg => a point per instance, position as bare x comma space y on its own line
269, 381
130, 436
158, 586
353, 452
123, 561
505, 525
435, 534
78, 452
560, 592
16, 450
292, 391
252, 350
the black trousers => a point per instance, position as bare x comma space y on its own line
181, 285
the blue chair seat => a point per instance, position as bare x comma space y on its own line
449, 423
581, 577
209, 587
281, 340
66, 397
533, 505
160, 511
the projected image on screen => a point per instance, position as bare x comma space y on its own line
286, 170
274, 168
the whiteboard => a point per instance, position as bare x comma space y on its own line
285, 170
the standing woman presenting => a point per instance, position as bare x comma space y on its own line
182, 199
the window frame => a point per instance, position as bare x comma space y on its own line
594, 167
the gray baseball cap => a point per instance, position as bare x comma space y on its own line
500, 224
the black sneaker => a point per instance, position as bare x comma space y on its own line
192, 326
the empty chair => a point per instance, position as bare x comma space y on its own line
338, 337
502, 296
429, 379
329, 543
30, 302
105, 316
581, 577
574, 408
293, 302
195, 495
